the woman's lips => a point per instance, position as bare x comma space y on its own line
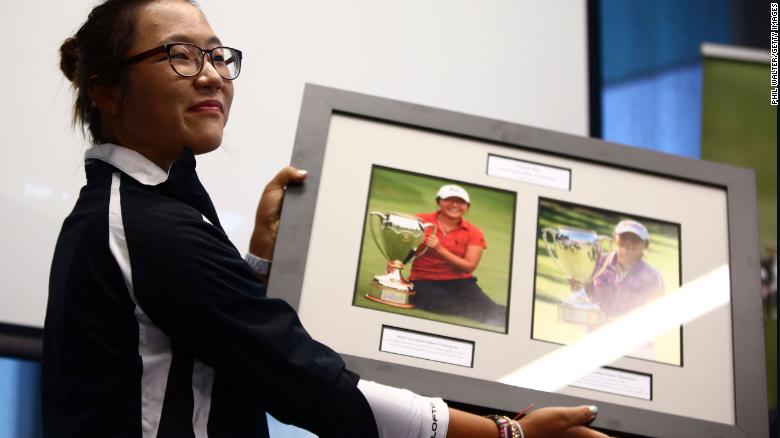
210, 105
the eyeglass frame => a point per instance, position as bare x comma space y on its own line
166, 48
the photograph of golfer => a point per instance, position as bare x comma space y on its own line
443, 277
460, 271
625, 281
595, 265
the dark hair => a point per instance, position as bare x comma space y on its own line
98, 51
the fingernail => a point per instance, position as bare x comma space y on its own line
302, 172
594, 410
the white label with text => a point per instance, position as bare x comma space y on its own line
618, 382
425, 346
527, 172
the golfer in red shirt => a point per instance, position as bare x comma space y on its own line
443, 276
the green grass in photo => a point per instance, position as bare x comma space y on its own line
491, 210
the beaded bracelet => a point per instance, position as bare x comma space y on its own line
516, 425
507, 428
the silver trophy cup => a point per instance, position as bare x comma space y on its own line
577, 252
397, 236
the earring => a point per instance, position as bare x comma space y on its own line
92, 104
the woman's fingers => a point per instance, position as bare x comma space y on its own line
288, 175
559, 421
269, 210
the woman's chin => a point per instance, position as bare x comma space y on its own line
202, 149
205, 144
453, 215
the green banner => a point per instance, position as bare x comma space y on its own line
739, 127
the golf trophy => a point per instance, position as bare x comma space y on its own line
577, 253
397, 236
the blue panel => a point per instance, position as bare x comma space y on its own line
644, 36
9, 389
661, 111
20, 402
281, 430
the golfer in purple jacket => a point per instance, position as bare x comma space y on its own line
627, 281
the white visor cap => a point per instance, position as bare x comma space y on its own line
451, 190
629, 226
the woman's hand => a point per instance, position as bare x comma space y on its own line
575, 285
468, 263
269, 210
541, 423
560, 422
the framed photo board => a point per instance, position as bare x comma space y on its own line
589, 272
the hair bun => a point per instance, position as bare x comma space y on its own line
69, 56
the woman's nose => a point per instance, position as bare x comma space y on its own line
209, 76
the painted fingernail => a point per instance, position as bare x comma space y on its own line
594, 410
302, 172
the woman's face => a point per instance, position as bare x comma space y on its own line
160, 112
453, 207
630, 249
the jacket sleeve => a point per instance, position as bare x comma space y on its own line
195, 286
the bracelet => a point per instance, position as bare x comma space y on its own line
507, 428
260, 265
516, 424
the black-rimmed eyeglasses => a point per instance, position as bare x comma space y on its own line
187, 59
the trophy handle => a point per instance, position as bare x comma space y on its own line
423, 227
598, 270
551, 231
601, 238
372, 226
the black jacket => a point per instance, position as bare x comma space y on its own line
156, 326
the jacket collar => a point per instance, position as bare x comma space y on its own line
128, 161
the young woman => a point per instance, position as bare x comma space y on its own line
442, 277
156, 326
626, 280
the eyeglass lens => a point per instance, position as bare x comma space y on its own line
187, 60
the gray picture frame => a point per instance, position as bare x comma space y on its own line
290, 258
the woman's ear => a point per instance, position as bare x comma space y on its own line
106, 98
